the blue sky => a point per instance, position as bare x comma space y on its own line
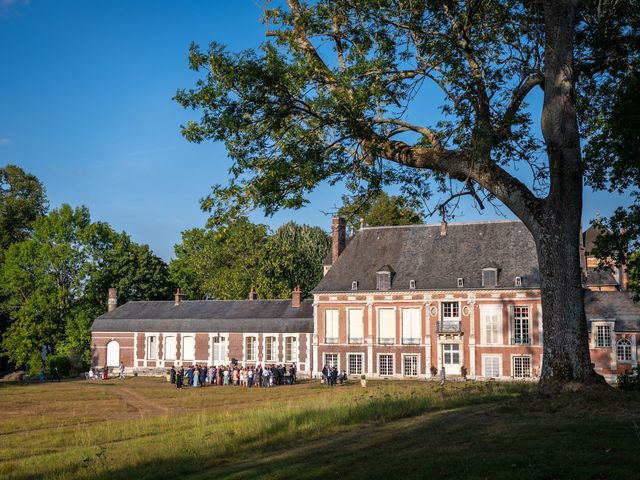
86, 105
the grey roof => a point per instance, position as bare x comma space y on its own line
255, 316
420, 253
616, 305
600, 277
589, 238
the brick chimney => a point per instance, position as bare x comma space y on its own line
179, 296
296, 297
112, 302
338, 237
623, 275
253, 295
443, 228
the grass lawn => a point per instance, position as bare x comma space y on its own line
142, 428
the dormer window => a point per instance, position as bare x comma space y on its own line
518, 281
489, 277
461, 282
354, 285
412, 284
383, 278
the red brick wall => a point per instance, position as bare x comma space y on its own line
99, 342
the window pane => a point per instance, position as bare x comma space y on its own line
356, 325
386, 365
386, 326
188, 348
169, 348
355, 364
331, 326
331, 359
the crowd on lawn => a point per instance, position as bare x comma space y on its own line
331, 376
249, 377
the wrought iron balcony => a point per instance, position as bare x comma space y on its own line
411, 341
521, 341
386, 341
333, 340
449, 326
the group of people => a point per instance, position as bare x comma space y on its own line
249, 377
331, 376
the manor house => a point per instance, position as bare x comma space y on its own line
395, 302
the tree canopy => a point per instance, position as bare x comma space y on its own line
379, 210
335, 95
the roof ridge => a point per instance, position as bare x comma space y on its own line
455, 224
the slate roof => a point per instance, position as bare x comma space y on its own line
589, 238
618, 306
255, 316
600, 277
435, 262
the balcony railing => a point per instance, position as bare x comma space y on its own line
386, 341
448, 327
331, 340
411, 341
355, 340
520, 341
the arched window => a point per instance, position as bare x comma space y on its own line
624, 350
113, 354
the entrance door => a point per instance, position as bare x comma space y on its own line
451, 358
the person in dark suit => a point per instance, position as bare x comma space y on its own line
173, 375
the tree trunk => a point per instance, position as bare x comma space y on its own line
556, 229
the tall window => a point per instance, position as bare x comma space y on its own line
386, 326
410, 363
603, 336
411, 330
290, 349
383, 281
113, 354
250, 345
188, 348
219, 353
331, 325
450, 311
491, 365
521, 367
355, 363
270, 349
624, 350
152, 348
331, 359
169, 348
385, 365
491, 325
521, 326
356, 325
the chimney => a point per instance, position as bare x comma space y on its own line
623, 275
296, 297
253, 295
338, 237
112, 302
179, 296
443, 228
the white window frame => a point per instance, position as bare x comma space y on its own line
354, 285
386, 355
493, 357
222, 342
326, 354
291, 351
513, 366
491, 309
355, 339
254, 350
116, 346
274, 348
353, 355
598, 340
518, 282
455, 308
386, 340
460, 282
164, 347
417, 364
151, 355
623, 345
523, 336
336, 320
412, 284
415, 328
182, 338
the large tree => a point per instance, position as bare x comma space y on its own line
339, 90
379, 209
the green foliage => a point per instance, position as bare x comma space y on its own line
291, 257
22, 200
54, 283
380, 210
630, 380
